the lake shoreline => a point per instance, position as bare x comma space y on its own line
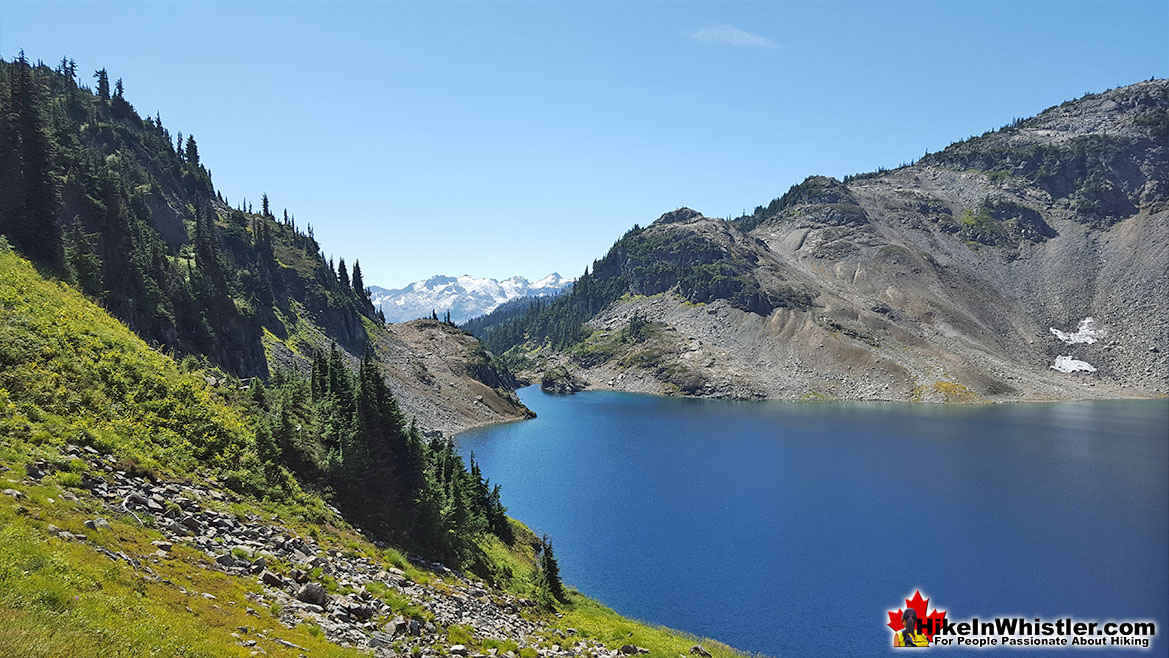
736, 510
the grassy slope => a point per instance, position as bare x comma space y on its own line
69, 373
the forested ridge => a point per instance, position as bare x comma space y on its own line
124, 211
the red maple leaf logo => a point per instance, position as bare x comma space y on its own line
930, 623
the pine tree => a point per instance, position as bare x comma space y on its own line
319, 376
264, 206
103, 84
82, 261
192, 151
119, 90
27, 213
358, 283
551, 589
342, 274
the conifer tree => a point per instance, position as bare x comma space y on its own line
342, 274
27, 211
103, 84
548, 578
82, 261
192, 151
358, 283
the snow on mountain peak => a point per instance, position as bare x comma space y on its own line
464, 296
553, 280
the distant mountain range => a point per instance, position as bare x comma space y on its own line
464, 296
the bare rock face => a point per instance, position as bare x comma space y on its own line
443, 377
679, 215
948, 280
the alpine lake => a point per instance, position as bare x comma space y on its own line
793, 528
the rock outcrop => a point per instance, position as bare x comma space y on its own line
952, 274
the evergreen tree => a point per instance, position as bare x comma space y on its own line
119, 90
192, 151
342, 274
27, 212
82, 261
264, 206
103, 84
550, 588
358, 283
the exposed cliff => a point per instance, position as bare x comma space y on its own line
966, 276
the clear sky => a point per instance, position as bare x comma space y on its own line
495, 139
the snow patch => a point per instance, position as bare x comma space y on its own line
1087, 333
1068, 364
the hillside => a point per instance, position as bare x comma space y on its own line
1028, 263
126, 210
149, 507
464, 297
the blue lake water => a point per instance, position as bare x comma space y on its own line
791, 528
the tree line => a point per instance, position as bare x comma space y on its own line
108, 201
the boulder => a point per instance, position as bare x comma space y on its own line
379, 639
271, 579
313, 593
361, 612
97, 524
396, 626
699, 650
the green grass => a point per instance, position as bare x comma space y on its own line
61, 598
593, 620
69, 373
597, 348
460, 635
500, 646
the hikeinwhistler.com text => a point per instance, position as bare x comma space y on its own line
1019, 632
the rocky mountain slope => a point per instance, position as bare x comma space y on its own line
444, 378
1028, 263
465, 297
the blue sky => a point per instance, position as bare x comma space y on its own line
495, 139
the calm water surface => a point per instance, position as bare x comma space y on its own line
790, 528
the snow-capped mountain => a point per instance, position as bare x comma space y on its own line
464, 296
